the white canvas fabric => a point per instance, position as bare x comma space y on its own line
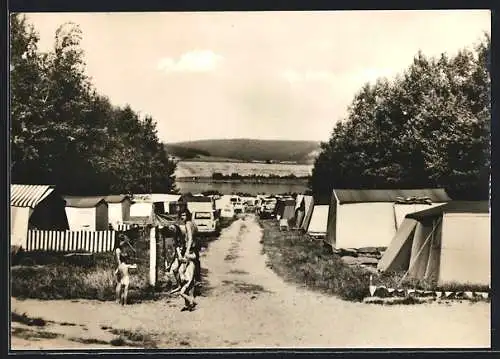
19, 219
81, 219
448, 247
364, 225
401, 210
319, 220
466, 248
141, 209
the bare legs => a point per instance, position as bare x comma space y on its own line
187, 290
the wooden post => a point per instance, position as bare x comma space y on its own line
152, 256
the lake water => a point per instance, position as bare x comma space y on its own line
229, 188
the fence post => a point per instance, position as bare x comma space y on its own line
152, 256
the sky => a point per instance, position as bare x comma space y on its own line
266, 75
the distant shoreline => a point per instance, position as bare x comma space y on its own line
250, 180
229, 160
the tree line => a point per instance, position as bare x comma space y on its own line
428, 127
63, 132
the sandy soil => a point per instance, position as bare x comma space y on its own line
246, 305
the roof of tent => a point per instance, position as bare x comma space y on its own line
156, 197
452, 207
83, 202
29, 195
388, 195
198, 199
116, 198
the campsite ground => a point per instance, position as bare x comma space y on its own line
246, 305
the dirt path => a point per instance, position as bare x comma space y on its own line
247, 305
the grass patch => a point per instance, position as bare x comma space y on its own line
81, 277
136, 337
299, 260
409, 300
243, 287
117, 342
24, 319
67, 324
33, 334
237, 271
393, 280
89, 341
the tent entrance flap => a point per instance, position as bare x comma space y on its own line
397, 255
424, 259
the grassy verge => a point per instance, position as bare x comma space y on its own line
52, 275
297, 259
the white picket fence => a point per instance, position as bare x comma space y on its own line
124, 227
67, 241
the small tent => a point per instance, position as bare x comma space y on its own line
368, 218
87, 213
449, 243
308, 210
118, 208
299, 213
319, 221
288, 209
35, 207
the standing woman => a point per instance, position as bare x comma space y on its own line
190, 262
188, 230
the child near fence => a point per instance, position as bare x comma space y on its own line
123, 279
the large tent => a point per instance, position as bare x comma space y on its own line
308, 210
286, 208
369, 218
35, 207
87, 213
118, 208
449, 243
319, 221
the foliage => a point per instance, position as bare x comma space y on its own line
298, 259
64, 133
429, 127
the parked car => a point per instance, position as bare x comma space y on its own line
267, 208
206, 222
227, 211
237, 204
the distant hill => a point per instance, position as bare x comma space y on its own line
246, 150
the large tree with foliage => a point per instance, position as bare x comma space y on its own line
65, 133
428, 127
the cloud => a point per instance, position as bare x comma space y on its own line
293, 76
192, 61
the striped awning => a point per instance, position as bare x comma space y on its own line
28, 195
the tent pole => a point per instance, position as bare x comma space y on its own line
419, 252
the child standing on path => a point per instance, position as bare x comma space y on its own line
123, 279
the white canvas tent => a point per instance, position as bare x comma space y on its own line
449, 243
319, 221
369, 218
118, 208
87, 213
141, 209
34, 206
161, 201
308, 209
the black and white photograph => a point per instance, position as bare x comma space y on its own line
250, 180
